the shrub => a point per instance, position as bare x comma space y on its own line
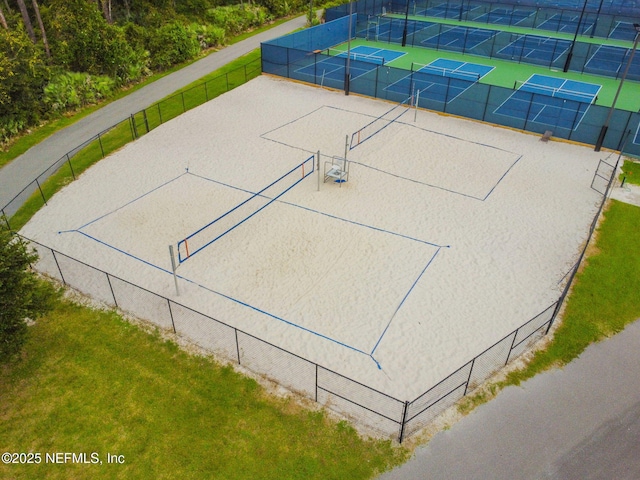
71, 90
172, 43
22, 294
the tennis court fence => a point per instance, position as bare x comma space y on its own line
452, 95
600, 19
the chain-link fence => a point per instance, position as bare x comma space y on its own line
366, 406
377, 410
60, 172
573, 120
611, 20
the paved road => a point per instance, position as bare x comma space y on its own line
19, 173
581, 422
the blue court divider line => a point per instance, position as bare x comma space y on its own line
132, 201
228, 297
403, 300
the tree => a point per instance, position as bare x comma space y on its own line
44, 34
3, 21
22, 294
26, 20
23, 75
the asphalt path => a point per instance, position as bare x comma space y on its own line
24, 169
581, 422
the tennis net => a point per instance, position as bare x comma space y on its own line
445, 72
554, 92
356, 56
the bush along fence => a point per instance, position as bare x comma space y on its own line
69, 166
379, 411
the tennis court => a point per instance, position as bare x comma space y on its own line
551, 101
459, 38
566, 24
442, 80
623, 31
504, 16
542, 50
612, 60
333, 66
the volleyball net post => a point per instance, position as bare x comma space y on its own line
173, 269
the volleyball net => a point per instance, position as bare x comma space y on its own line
383, 121
230, 220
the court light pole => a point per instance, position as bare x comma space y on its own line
347, 70
575, 37
605, 127
406, 21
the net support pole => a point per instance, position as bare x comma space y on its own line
415, 113
346, 147
173, 269
318, 164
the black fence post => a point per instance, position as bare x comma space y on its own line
73, 174
173, 324
55, 259
115, 300
44, 199
101, 147
405, 409
237, 346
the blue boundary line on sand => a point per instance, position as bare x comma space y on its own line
130, 202
248, 305
403, 300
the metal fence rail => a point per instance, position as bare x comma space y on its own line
40, 190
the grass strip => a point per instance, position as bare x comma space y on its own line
91, 382
222, 80
605, 298
631, 172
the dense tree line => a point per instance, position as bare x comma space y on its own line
58, 55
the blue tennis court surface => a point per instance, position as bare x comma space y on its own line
636, 138
460, 38
442, 80
566, 24
365, 59
504, 16
550, 101
613, 60
379, 56
538, 49
623, 31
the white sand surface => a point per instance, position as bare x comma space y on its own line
448, 235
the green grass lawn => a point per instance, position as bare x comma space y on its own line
91, 382
631, 172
